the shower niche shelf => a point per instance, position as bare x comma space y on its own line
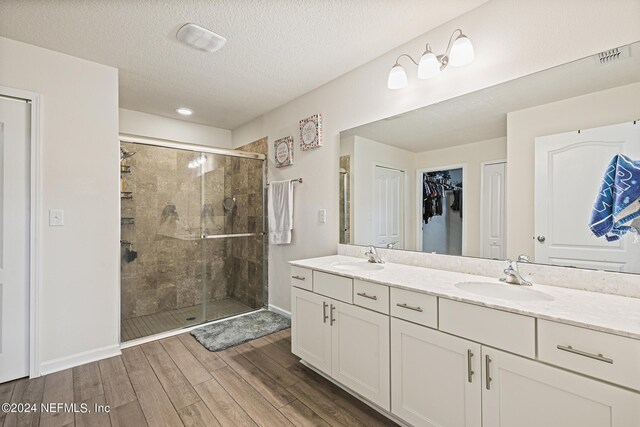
126, 195
127, 221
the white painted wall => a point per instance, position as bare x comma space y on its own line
596, 109
150, 125
471, 155
512, 38
80, 269
367, 154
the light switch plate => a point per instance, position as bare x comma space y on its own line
322, 216
56, 217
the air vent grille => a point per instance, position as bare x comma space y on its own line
612, 55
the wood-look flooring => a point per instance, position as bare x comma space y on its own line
177, 382
151, 324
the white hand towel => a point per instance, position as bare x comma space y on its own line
280, 212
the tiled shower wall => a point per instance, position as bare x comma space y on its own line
249, 284
171, 258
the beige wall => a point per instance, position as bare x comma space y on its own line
472, 156
79, 117
150, 125
596, 109
511, 39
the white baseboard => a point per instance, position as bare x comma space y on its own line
279, 310
78, 359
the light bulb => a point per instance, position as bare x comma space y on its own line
184, 111
397, 78
461, 52
429, 65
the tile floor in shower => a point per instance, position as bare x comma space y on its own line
138, 327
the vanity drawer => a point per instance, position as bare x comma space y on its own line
333, 286
598, 354
371, 295
414, 307
499, 329
302, 278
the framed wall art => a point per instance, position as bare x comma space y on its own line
283, 151
311, 132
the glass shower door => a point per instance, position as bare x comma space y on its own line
161, 267
232, 224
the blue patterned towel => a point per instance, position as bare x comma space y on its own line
618, 200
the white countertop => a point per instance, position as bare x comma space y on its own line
602, 312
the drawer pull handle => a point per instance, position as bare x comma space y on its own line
299, 277
364, 295
469, 368
324, 312
333, 319
487, 373
409, 307
599, 357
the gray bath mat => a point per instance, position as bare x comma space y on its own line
232, 332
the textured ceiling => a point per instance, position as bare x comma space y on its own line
276, 51
482, 115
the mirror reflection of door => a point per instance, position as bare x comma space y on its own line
492, 224
388, 207
569, 168
442, 211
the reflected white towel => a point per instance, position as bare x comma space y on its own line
280, 212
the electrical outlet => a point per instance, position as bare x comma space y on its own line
322, 216
56, 217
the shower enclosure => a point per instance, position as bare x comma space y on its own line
192, 241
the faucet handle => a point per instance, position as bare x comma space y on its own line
524, 258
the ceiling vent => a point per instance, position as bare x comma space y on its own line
200, 38
612, 55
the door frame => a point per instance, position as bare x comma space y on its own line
418, 205
405, 195
482, 184
35, 222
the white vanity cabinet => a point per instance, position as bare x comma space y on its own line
519, 392
311, 328
346, 342
433, 361
435, 377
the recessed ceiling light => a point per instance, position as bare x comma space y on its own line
184, 111
200, 38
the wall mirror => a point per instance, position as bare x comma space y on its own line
524, 167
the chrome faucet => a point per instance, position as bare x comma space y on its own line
373, 256
513, 276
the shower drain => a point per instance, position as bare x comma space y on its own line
191, 318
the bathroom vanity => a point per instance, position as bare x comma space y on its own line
440, 348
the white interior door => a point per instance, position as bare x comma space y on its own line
388, 207
493, 210
568, 172
14, 229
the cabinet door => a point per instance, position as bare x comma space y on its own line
310, 328
435, 377
360, 351
519, 392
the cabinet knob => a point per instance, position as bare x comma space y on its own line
541, 239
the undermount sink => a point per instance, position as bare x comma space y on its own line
358, 266
504, 291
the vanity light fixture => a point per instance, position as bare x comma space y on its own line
184, 111
459, 53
